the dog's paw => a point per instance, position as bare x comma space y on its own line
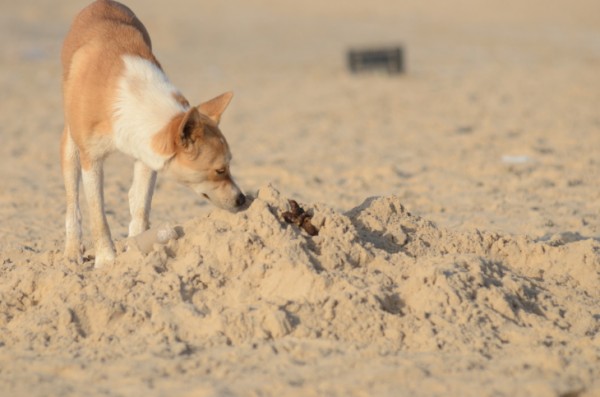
137, 227
74, 254
104, 257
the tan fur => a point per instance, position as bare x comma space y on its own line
181, 99
91, 66
104, 38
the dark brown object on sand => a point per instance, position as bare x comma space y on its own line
300, 218
390, 59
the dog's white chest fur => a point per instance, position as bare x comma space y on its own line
145, 103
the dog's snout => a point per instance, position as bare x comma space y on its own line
240, 200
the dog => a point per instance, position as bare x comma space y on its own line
117, 97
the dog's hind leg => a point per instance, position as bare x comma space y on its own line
140, 198
71, 170
93, 179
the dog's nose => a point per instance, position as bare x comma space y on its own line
240, 200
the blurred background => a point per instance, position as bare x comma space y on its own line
495, 123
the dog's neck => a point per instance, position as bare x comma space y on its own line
146, 103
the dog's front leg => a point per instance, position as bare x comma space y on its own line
92, 177
140, 198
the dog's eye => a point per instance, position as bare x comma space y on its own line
221, 171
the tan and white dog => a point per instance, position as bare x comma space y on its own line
117, 97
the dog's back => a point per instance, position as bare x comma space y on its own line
92, 62
96, 28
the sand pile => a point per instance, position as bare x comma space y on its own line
375, 277
492, 135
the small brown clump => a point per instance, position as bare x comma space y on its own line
297, 216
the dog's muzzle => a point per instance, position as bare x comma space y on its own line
240, 200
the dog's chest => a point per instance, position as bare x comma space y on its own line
146, 103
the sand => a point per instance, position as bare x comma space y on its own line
459, 230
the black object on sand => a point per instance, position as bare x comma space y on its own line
390, 59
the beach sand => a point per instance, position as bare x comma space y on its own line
457, 204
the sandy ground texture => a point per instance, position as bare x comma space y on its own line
457, 204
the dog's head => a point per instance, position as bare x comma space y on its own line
201, 153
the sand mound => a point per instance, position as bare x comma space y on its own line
494, 126
374, 276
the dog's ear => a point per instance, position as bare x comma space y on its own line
180, 133
216, 106
190, 127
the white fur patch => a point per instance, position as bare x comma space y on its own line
144, 105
